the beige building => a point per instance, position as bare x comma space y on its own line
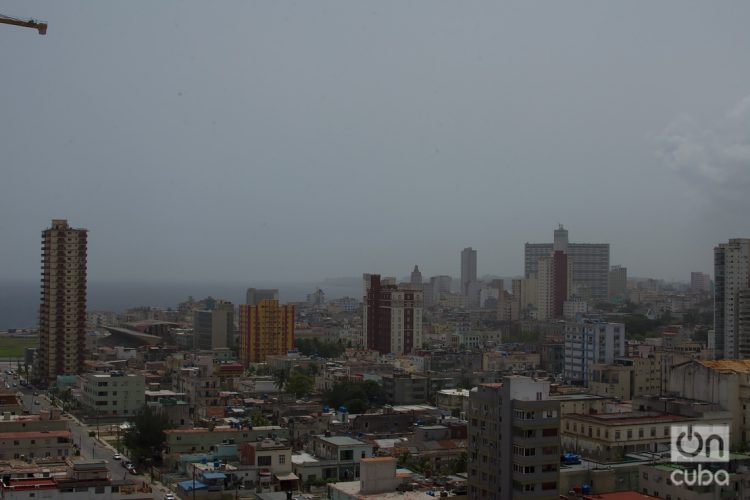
113, 393
35, 444
202, 439
455, 401
510, 361
581, 403
627, 378
62, 314
271, 455
611, 436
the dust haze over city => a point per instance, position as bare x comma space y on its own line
384, 250
288, 142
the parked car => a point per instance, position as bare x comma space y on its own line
169, 496
116, 456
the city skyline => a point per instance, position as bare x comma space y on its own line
431, 127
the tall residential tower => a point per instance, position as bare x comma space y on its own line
731, 299
266, 328
468, 268
514, 440
589, 261
62, 314
392, 317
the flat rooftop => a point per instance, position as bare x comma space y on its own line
636, 417
341, 440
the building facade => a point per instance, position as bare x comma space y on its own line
590, 263
113, 394
214, 329
514, 441
253, 296
392, 318
700, 282
588, 343
62, 314
731, 275
554, 279
618, 283
468, 268
265, 329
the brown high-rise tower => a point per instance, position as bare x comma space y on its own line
62, 314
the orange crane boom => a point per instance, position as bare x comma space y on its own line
29, 23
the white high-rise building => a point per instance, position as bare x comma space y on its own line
590, 342
732, 278
590, 263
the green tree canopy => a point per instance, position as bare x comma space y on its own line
299, 384
146, 437
314, 347
355, 395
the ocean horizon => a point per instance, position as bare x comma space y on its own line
19, 300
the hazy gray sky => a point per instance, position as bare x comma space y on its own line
299, 140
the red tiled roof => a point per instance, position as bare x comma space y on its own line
31, 483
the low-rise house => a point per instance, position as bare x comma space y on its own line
83, 480
331, 457
203, 439
455, 401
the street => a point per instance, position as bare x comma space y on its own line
90, 447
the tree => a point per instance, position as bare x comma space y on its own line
356, 406
460, 464
299, 384
355, 395
258, 420
281, 376
310, 347
146, 437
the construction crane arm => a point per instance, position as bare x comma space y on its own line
29, 23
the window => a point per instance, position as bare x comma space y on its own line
264, 460
282, 459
